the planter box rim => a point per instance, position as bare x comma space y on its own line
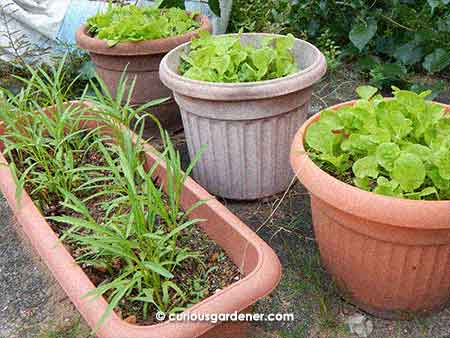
147, 47
238, 296
406, 213
218, 91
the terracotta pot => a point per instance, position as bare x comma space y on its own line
256, 260
247, 127
141, 61
389, 256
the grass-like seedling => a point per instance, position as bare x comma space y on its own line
45, 148
96, 187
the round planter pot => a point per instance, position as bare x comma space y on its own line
141, 62
389, 256
247, 128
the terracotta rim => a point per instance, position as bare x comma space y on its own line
148, 47
237, 297
367, 205
246, 90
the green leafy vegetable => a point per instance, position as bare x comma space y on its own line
132, 23
226, 59
396, 147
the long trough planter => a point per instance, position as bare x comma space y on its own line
256, 260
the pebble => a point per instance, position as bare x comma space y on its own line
360, 325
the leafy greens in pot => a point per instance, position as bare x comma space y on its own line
396, 147
132, 23
226, 59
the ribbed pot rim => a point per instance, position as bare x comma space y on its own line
147, 47
396, 211
218, 91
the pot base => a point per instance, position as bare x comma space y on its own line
168, 114
392, 314
390, 272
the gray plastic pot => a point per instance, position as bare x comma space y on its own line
247, 127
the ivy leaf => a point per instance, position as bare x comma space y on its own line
409, 171
172, 3
438, 60
214, 6
410, 53
362, 33
366, 167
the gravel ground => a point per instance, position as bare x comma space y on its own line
31, 302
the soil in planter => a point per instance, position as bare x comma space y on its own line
213, 272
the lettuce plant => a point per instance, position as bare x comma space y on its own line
226, 59
132, 23
396, 147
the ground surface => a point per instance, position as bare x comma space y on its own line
33, 306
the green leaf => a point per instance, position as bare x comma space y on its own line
402, 142
320, 137
362, 183
437, 61
366, 92
424, 193
172, 3
409, 171
155, 267
386, 154
442, 161
391, 117
386, 187
438, 180
366, 167
226, 59
131, 23
362, 33
423, 152
214, 5
410, 53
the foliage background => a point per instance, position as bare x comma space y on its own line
389, 39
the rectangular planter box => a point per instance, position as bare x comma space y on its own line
255, 259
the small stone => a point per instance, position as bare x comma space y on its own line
360, 325
131, 319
